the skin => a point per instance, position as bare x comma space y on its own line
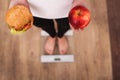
62, 42
15, 2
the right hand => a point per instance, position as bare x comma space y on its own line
17, 2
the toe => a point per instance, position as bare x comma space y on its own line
63, 51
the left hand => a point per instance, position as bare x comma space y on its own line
75, 3
79, 2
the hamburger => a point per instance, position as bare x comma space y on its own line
19, 19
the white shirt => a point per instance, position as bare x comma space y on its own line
50, 9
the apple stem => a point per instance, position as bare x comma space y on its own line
79, 12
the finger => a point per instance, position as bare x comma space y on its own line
72, 27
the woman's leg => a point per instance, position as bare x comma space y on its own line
48, 26
63, 27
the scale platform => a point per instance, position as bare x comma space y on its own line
68, 33
57, 58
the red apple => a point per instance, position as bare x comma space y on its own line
79, 17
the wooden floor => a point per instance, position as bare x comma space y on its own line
20, 55
114, 24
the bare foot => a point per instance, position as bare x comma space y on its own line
63, 45
49, 45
